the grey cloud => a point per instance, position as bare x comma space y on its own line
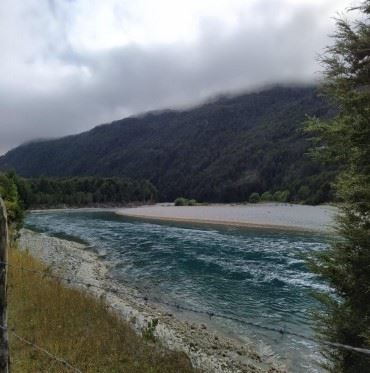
132, 79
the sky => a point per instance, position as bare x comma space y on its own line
69, 65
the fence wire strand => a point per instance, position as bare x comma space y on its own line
41, 349
235, 318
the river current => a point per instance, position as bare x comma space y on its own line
257, 276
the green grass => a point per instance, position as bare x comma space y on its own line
75, 326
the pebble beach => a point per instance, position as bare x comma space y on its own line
264, 215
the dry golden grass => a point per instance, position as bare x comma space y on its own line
75, 326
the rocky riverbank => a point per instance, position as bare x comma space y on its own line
207, 349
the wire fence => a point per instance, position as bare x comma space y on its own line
231, 317
41, 349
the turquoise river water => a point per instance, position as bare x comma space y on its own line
255, 275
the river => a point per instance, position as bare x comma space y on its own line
257, 276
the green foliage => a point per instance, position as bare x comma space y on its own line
281, 196
13, 203
221, 151
345, 141
181, 201
86, 191
303, 193
266, 196
20, 193
254, 198
149, 332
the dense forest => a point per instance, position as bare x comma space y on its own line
20, 193
221, 151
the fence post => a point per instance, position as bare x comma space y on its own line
4, 241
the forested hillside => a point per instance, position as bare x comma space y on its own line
221, 151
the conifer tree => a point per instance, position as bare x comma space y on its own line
345, 139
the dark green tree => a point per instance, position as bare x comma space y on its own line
254, 198
345, 140
13, 203
266, 196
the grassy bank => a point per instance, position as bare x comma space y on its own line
75, 326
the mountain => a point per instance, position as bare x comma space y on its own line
220, 151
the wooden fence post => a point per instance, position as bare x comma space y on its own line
4, 241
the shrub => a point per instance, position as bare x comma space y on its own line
10, 195
281, 195
254, 198
149, 331
276, 196
285, 195
192, 202
303, 192
181, 201
266, 196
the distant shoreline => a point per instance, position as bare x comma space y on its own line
90, 207
270, 216
222, 223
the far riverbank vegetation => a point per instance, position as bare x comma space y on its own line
75, 191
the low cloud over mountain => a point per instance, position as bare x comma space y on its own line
69, 65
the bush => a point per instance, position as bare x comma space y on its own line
254, 198
266, 196
285, 195
303, 193
10, 195
181, 201
149, 332
192, 202
276, 196
281, 195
